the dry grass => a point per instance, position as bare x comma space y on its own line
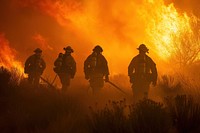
25, 109
185, 113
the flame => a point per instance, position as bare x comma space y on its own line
165, 24
120, 27
7, 55
166, 27
163, 27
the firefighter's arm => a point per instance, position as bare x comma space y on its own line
106, 78
27, 62
106, 70
86, 68
154, 74
56, 62
43, 66
131, 68
73, 68
26, 65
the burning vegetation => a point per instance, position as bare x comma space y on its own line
169, 29
7, 55
43, 109
171, 34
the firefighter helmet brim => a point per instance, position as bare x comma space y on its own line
37, 50
98, 49
143, 48
68, 49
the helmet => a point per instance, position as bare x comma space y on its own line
60, 55
37, 50
143, 48
68, 49
98, 49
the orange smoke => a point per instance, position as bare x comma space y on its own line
120, 30
58, 9
7, 55
118, 26
43, 43
116, 33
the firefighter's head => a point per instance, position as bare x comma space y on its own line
38, 52
60, 55
98, 49
143, 49
68, 50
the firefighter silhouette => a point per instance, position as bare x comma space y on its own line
96, 69
34, 67
142, 72
58, 63
65, 67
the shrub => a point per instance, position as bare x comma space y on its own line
26, 109
5, 76
148, 116
111, 119
185, 113
168, 86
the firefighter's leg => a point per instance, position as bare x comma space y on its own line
138, 94
140, 89
135, 95
96, 89
66, 82
36, 80
60, 77
62, 80
96, 84
30, 78
146, 87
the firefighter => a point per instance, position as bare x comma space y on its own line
96, 69
142, 72
65, 67
34, 67
58, 63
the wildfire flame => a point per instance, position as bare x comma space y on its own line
120, 27
164, 26
7, 55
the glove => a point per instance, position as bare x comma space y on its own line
86, 77
131, 79
106, 78
41, 72
25, 71
154, 83
72, 76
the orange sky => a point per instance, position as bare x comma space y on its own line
118, 26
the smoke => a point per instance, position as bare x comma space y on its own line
42, 42
115, 25
191, 7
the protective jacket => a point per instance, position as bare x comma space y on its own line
68, 65
34, 64
96, 64
142, 68
58, 65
